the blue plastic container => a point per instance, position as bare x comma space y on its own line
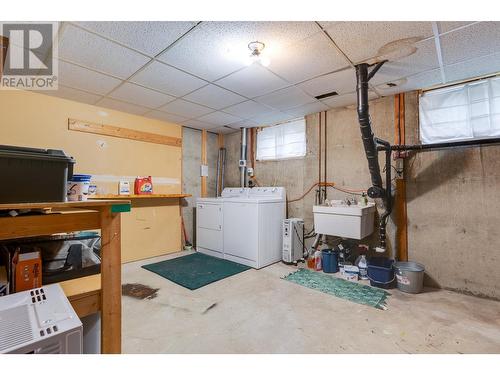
330, 261
381, 272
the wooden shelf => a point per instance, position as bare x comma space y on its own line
84, 294
79, 204
81, 286
142, 196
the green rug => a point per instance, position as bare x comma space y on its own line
195, 270
359, 293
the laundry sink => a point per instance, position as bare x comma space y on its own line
342, 220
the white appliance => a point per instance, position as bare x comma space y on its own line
252, 225
39, 321
209, 222
341, 220
293, 240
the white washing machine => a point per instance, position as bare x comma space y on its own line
252, 225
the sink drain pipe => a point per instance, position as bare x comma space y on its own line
372, 146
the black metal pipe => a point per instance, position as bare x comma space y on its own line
375, 70
442, 145
376, 191
388, 191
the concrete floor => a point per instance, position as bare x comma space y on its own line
257, 312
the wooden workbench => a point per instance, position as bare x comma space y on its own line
88, 294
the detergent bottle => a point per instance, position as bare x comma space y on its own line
317, 260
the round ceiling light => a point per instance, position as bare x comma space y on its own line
256, 54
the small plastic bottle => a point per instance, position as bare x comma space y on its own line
363, 267
317, 260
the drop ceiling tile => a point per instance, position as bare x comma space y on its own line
97, 53
342, 82
216, 49
224, 130
72, 94
286, 98
159, 115
80, 78
247, 109
474, 41
308, 58
197, 124
473, 68
345, 100
219, 118
131, 93
418, 81
186, 109
425, 58
446, 26
362, 40
148, 37
307, 109
214, 97
244, 124
254, 80
122, 106
271, 118
167, 79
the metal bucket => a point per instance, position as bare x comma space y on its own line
409, 276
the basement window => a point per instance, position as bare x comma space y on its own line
283, 141
462, 112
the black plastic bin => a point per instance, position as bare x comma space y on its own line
33, 174
381, 272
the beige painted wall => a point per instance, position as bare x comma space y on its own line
34, 120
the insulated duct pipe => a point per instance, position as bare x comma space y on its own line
243, 158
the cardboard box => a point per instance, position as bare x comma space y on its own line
27, 271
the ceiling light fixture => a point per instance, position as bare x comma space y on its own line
256, 54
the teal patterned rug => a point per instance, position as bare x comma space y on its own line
359, 293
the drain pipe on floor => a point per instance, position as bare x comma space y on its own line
243, 158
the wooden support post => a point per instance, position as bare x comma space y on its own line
400, 199
203, 161
111, 313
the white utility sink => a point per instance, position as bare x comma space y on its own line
341, 220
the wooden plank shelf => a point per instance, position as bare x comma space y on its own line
87, 294
134, 196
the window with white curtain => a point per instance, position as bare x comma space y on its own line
283, 141
462, 112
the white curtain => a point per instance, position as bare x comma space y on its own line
282, 141
461, 112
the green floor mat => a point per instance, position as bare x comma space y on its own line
195, 270
359, 293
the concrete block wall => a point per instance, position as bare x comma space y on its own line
191, 181
453, 196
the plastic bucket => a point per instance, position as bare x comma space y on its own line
329, 261
381, 272
409, 276
78, 187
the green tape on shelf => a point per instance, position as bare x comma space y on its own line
120, 208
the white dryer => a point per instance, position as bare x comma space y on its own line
209, 225
210, 222
252, 225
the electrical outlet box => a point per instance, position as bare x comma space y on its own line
204, 170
